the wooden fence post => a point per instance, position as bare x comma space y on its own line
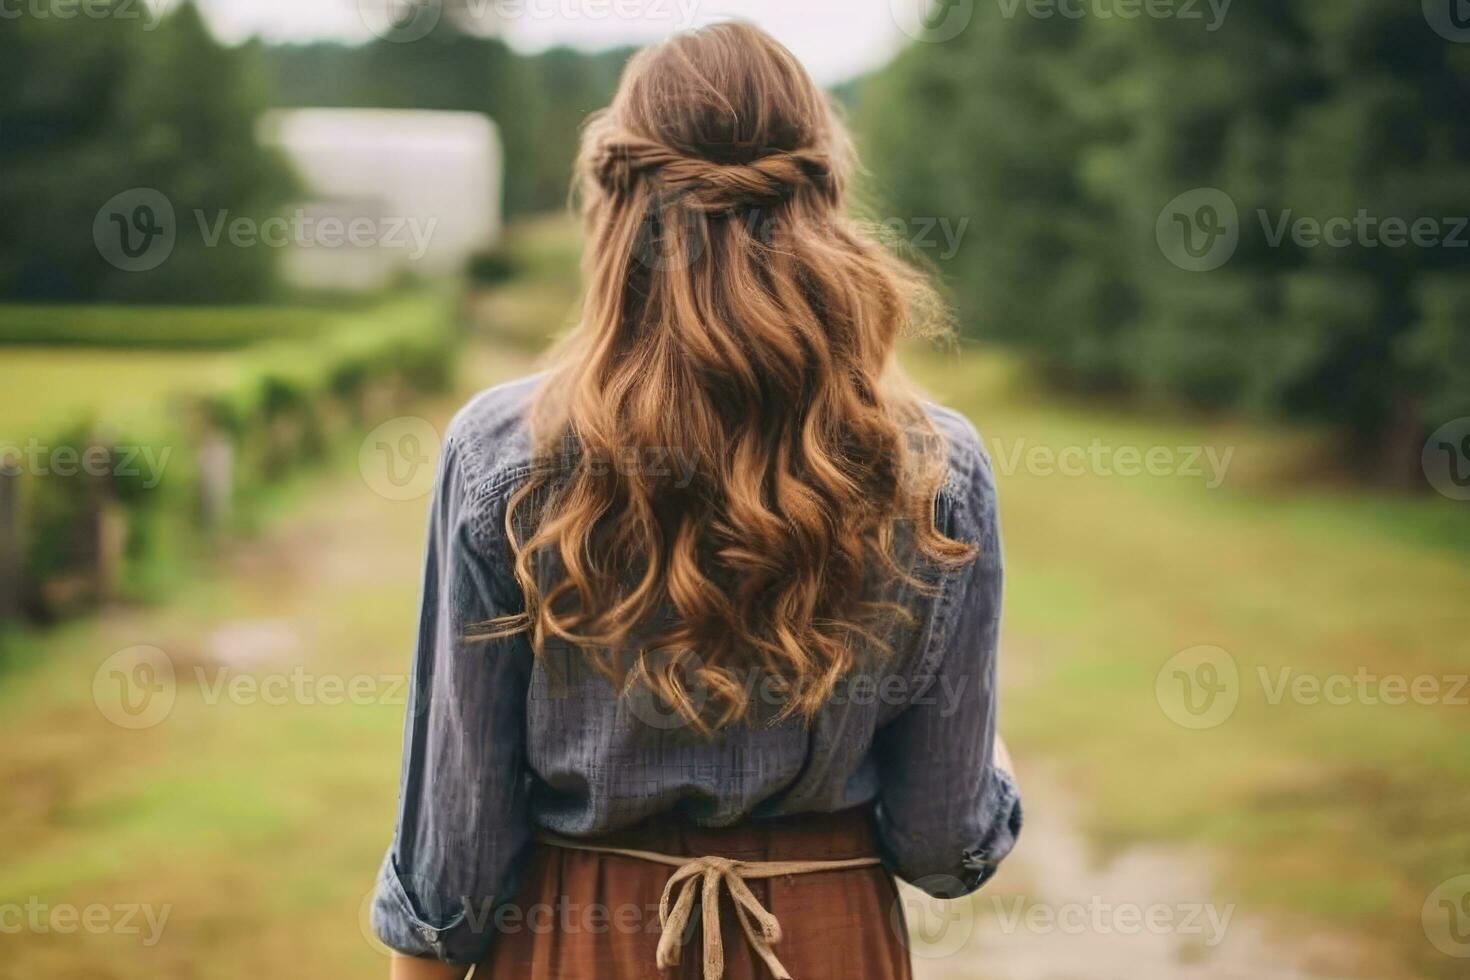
112, 541
109, 527
216, 479
9, 539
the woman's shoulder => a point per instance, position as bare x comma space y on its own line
489, 439
970, 473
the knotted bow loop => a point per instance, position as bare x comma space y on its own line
706, 875
759, 925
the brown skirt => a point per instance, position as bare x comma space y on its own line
583, 915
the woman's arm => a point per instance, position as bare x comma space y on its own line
949, 811
463, 826
416, 968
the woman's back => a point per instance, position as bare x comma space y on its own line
601, 760
716, 565
503, 742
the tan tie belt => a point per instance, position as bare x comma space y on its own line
760, 926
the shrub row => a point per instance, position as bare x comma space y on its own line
112, 501
191, 327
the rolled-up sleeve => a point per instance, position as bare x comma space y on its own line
946, 815
462, 827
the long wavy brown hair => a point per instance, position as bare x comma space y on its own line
730, 471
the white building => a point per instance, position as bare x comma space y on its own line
386, 192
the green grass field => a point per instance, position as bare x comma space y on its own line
116, 364
1349, 813
49, 385
190, 327
260, 825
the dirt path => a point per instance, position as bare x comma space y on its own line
1058, 911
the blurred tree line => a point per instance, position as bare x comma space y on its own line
94, 106
1068, 142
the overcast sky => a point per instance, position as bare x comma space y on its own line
836, 39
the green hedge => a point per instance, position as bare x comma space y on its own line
109, 527
158, 327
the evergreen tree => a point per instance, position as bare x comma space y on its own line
1076, 145
91, 108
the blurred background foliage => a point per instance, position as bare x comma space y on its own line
1058, 140
109, 106
174, 109
1063, 139
92, 107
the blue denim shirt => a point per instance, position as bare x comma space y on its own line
499, 742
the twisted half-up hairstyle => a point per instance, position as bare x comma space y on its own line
729, 474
